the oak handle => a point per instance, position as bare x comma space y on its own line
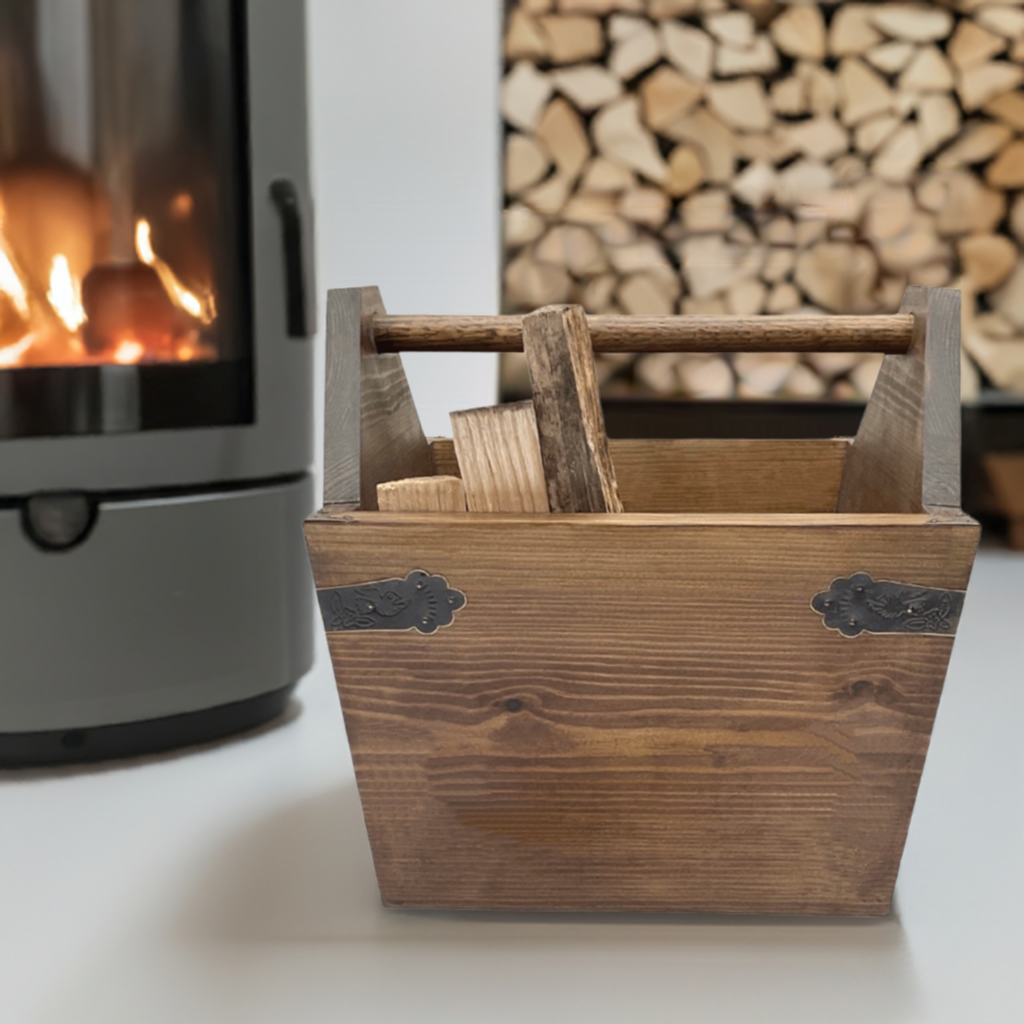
891, 335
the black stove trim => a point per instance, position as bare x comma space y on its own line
136, 739
9, 501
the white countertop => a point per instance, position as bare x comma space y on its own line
234, 883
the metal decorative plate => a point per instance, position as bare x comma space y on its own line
420, 601
859, 604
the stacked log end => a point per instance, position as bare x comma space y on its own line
754, 156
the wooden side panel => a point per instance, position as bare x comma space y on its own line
372, 432
906, 456
342, 396
715, 475
639, 712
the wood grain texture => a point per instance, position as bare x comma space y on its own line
498, 457
640, 712
715, 475
906, 456
887, 334
573, 443
422, 494
384, 441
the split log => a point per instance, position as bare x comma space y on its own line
981, 141
1002, 21
890, 57
531, 283
746, 298
636, 52
757, 185
863, 92
689, 49
713, 142
708, 210
821, 138
734, 28
647, 206
667, 96
573, 247
422, 494
602, 175
899, 158
762, 375
642, 294
588, 86
526, 162
875, 132
572, 38
783, 298
524, 95
573, 444
984, 82
1008, 108
1007, 170
852, 32
621, 137
524, 37
971, 45
927, 72
916, 23
685, 171
969, 206
761, 58
838, 276
521, 225
800, 32
741, 104
705, 377
560, 131
499, 459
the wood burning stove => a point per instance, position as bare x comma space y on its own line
155, 371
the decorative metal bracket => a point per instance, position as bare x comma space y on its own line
420, 601
859, 604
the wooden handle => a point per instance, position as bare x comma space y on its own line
892, 335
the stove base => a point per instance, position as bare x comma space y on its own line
177, 619
135, 739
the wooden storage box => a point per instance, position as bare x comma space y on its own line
720, 700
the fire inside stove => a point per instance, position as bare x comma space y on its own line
64, 300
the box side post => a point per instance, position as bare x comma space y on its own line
906, 456
372, 432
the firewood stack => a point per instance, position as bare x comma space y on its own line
746, 157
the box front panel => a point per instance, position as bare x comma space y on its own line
640, 715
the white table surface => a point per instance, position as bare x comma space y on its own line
234, 883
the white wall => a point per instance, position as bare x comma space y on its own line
405, 138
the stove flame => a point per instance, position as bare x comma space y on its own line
203, 311
13, 354
11, 284
65, 294
58, 310
129, 352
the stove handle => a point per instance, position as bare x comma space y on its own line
286, 198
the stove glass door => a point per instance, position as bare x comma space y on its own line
125, 252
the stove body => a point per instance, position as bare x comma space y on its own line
155, 372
